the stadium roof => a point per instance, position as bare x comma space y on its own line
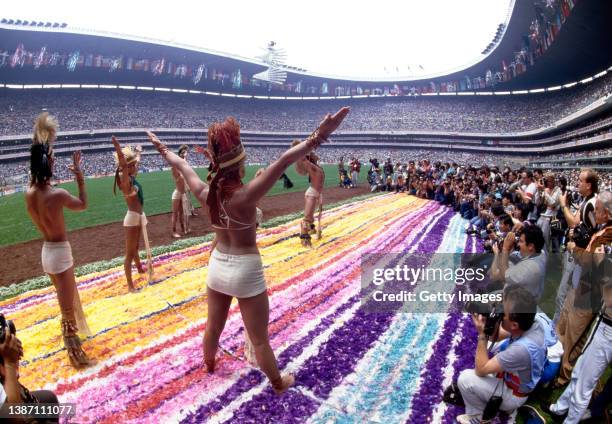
580, 50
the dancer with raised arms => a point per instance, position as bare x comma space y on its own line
135, 221
235, 267
45, 205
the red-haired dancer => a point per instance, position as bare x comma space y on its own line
235, 267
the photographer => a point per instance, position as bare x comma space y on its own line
529, 271
598, 354
375, 181
388, 169
587, 187
341, 171
492, 215
550, 195
498, 231
528, 189
571, 318
355, 169
583, 299
504, 381
479, 222
11, 391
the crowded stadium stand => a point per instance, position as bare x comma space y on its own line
506, 103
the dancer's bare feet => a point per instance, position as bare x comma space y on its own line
210, 365
281, 384
78, 358
306, 240
176, 235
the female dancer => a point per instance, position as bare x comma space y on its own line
135, 221
46, 205
235, 268
179, 214
313, 196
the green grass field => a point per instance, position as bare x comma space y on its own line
16, 226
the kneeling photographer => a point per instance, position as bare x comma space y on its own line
526, 269
503, 382
12, 393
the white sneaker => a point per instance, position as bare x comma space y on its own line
512, 417
587, 415
469, 419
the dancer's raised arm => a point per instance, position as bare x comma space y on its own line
198, 187
124, 178
70, 201
258, 187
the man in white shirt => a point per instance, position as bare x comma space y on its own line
528, 193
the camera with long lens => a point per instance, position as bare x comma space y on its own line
493, 312
6, 327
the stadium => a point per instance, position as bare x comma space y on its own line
507, 157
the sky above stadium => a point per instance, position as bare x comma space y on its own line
374, 39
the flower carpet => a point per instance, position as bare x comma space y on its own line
351, 366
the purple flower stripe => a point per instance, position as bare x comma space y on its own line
346, 346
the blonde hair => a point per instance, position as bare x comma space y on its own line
128, 153
45, 128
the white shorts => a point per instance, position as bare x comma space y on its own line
240, 276
177, 196
134, 219
56, 257
311, 192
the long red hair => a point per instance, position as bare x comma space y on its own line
223, 145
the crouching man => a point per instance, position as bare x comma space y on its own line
504, 381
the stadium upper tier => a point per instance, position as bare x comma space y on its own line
93, 109
539, 45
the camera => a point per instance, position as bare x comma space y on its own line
488, 245
582, 235
6, 327
494, 314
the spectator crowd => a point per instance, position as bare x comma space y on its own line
145, 109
